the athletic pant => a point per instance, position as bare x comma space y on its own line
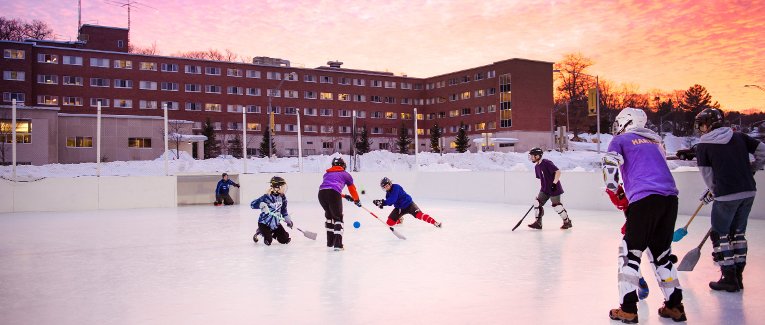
542, 198
729, 219
225, 198
650, 224
412, 209
332, 203
281, 235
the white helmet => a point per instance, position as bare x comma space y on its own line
628, 119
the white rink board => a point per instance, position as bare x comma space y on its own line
136, 192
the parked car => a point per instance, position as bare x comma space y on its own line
687, 154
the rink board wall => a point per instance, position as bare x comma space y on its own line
583, 190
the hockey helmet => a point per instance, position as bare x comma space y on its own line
628, 119
536, 152
711, 117
338, 161
385, 181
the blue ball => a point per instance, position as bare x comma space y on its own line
356, 224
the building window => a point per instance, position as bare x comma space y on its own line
234, 72
213, 89
253, 91
212, 71
196, 107
139, 142
492, 108
123, 103
147, 85
390, 84
328, 145
275, 110
326, 112
103, 101
291, 94
120, 43
234, 108
122, 83
390, 100
171, 106
290, 128
290, 111
251, 126
406, 116
253, 109
236, 126
233, 90
327, 129
274, 93
359, 98
72, 81
47, 58
13, 54
193, 69
168, 86
47, 79
169, 67
14, 75
291, 76
310, 95
478, 76
99, 82
465, 95
79, 142
147, 104
9, 97
454, 113
47, 100
149, 66
480, 126
23, 131
309, 78
480, 110
491, 74
123, 64
253, 74
375, 99
217, 126
271, 75
193, 88
326, 79
309, 111
465, 111
344, 81
359, 82
209, 107
384, 146
390, 115
99, 62
505, 101
344, 113
72, 60
326, 96
310, 129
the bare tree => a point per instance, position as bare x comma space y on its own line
215, 55
38, 30
14, 29
230, 56
175, 130
573, 87
150, 50
201, 55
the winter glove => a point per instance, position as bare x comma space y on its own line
348, 197
618, 198
707, 197
554, 187
237, 185
378, 203
289, 223
357, 203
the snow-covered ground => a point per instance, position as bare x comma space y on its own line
582, 157
198, 265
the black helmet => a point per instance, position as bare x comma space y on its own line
536, 152
277, 181
385, 181
224, 175
338, 161
711, 117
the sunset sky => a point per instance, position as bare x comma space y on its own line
662, 45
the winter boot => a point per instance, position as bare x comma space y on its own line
740, 274
625, 317
537, 224
728, 281
566, 224
643, 289
677, 313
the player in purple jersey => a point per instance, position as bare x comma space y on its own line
550, 189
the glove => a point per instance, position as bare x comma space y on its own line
357, 203
237, 185
618, 198
288, 222
707, 197
348, 197
378, 203
554, 187
264, 208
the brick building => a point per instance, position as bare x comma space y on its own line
509, 99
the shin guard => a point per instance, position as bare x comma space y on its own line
666, 275
629, 277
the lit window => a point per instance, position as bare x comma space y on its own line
13, 54
47, 58
139, 142
79, 142
123, 64
326, 96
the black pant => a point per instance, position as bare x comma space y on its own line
397, 213
281, 235
332, 203
225, 198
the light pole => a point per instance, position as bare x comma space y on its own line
568, 124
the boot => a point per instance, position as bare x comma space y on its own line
728, 281
566, 224
625, 317
537, 224
677, 313
740, 275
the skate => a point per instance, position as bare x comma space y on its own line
338, 249
537, 224
728, 281
643, 291
255, 238
625, 317
566, 224
437, 224
677, 313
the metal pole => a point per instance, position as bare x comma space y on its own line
270, 131
244, 137
13, 139
300, 142
568, 126
164, 107
354, 159
98, 139
597, 93
552, 128
416, 142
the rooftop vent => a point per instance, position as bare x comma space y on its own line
334, 64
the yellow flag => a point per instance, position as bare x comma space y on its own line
271, 123
592, 101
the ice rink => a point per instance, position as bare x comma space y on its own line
198, 265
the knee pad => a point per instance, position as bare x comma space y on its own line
665, 271
561, 211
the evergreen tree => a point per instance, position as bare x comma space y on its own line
264, 143
362, 146
211, 147
695, 100
435, 136
462, 142
404, 140
235, 147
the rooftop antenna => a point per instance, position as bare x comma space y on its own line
129, 4
79, 15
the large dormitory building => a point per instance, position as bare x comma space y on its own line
59, 84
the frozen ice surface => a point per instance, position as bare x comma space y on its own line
198, 265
